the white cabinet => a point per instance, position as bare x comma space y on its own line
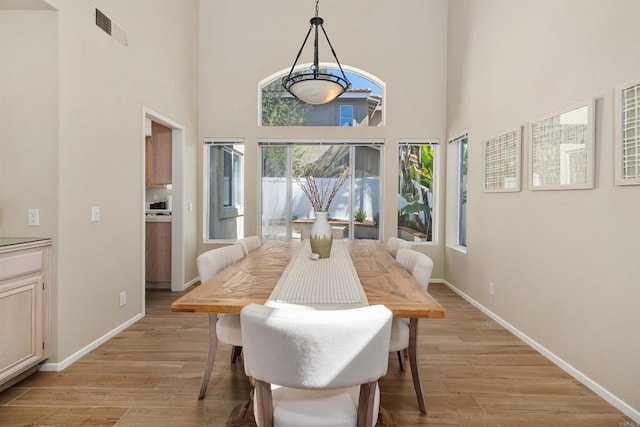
24, 307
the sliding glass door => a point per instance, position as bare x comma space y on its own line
285, 210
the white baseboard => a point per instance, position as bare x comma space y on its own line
60, 366
622, 406
190, 283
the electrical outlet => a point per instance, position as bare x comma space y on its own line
123, 298
492, 289
95, 213
33, 216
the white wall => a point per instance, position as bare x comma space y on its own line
29, 127
28, 121
564, 263
92, 134
262, 38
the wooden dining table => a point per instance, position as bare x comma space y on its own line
253, 279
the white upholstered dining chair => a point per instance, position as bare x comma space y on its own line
420, 266
249, 244
316, 367
395, 243
222, 327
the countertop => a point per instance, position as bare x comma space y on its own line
9, 241
157, 218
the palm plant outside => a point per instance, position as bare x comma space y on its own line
416, 183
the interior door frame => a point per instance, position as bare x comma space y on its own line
177, 214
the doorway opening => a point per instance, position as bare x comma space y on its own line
174, 206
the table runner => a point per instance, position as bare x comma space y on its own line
328, 283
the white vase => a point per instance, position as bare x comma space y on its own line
321, 237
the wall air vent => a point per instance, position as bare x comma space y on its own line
103, 21
111, 28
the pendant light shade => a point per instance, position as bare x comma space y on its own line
315, 86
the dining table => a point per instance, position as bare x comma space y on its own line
260, 277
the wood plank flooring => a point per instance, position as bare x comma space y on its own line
474, 372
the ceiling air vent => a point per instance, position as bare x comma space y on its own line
111, 28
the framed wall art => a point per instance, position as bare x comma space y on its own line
627, 134
561, 155
502, 169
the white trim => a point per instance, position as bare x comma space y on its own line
190, 283
454, 137
321, 141
615, 401
419, 141
223, 141
458, 248
60, 366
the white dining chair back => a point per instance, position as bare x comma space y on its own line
215, 260
395, 243
418, 264
249, 244
223, 327
315, 367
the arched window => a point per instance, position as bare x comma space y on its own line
361, 105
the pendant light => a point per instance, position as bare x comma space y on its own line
315, 86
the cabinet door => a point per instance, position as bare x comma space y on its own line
158, 251
158, 155
21, 325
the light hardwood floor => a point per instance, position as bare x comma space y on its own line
475, 373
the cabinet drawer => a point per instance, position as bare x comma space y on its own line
12, 265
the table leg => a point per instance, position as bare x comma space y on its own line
213, 345
413, 361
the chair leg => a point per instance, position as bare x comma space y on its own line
235, 353
401, 360
263, 403
213, 345
365, 404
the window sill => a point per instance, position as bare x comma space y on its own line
457, 248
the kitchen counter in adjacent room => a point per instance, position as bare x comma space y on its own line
157, 216
10, 241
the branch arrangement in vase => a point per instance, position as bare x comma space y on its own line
321, 195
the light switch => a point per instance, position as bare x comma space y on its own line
95, 213
33, 216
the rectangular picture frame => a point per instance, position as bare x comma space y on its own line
627, 134
562, 149
502, 162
